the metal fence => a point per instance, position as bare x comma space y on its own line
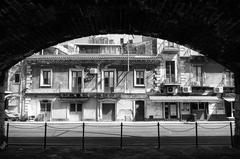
115, 134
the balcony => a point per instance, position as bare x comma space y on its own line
200, 82
196, 83
229, 83
170, 47
171, 80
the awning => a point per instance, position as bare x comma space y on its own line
229, 99
186, 99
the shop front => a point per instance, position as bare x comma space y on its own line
184, 107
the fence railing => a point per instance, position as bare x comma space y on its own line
124, 134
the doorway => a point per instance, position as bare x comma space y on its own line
76, 81
108, 111
171, 111
45, 109
139, 115
108, 81
200, 109
75, 112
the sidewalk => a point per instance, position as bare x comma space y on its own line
166, 152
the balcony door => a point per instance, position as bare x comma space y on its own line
108, 81
197, 74
170, 71
76, 81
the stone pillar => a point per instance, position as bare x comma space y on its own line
2, 108
237, 109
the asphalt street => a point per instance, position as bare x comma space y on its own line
104, 134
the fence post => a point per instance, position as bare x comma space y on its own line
231, 134
158, 127
83, 137
45, 136
7, 135
121, 142
196, 129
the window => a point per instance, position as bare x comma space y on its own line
75, 107
186, 107
194, 106
201, 106
46, 77
45, 106
139, 77
72, 108
229, 78
170, 71
17, 78
76, 77
197, 73
108, 81
76, 81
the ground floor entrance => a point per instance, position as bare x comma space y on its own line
108, 111
200, 109
229, 108
171, 110
75, 112
139, 109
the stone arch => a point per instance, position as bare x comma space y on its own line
211, 27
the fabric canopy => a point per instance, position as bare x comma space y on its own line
186, 99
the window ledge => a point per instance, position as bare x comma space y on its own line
45, 86
139, 86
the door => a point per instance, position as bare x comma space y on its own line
108, 81
197, 74
76, 81
108, 111
139, 105
171, 111
167, 114
200, 109
228, 109
45, 110
170, 71
75, 112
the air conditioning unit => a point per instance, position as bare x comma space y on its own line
186, 89
93, 70
218, 90
195, 83
171, 89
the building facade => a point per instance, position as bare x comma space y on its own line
104, 81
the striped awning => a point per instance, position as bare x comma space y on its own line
187, 99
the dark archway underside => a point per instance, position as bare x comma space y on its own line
211, 27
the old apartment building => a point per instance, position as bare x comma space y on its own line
107, 81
